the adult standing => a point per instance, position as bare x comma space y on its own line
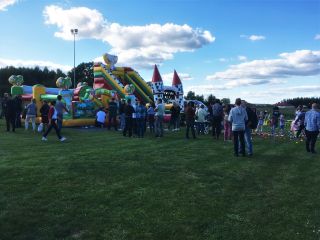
190, 119
251, 123
159, 118
217, 116
10, 113
129, 110
61, 108
4, 101
173, 117
201, 115
140, 118
53, 118
31, 114
312, 127
238, 117
112, 118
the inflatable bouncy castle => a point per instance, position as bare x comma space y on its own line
108, 76
109, 82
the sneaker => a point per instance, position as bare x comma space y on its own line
44, 139
62, 139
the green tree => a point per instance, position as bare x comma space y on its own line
84, 73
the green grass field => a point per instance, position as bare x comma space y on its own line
100, 185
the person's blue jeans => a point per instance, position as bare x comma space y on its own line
59, 121
140, 127
159, 126
122, 121
248, 140
200, 127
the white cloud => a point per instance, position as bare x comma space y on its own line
298, 63
5, 3
33, 63
223, 60
139, 46
167, 78
242, 58
317, 37
254, 37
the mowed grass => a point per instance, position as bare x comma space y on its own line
100, 185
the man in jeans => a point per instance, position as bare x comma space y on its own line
250, 124
312, 127
159, 118
217, 116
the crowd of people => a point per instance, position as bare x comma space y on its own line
237, 122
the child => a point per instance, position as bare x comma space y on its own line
100, 118
150, 116
260, 123
282, 124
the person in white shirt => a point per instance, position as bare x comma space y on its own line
201, 114
100, 118
160, 110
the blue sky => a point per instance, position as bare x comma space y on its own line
259, 50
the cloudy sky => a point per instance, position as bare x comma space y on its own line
259, 50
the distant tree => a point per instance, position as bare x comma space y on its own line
84, 73
191, 95
225, 100
31, 76
306, 101
211, 98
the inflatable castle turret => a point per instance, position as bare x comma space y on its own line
157, 85
176, 82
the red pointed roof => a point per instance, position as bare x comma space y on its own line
176, 80
156, 75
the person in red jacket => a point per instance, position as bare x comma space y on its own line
53, 117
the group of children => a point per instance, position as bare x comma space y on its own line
274, 120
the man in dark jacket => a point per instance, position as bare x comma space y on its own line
10, 111
217, 116
4, 101
250, 124
129, 110
190, 118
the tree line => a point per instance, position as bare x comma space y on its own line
304, 101
46, 77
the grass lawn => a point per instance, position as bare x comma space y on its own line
100, 185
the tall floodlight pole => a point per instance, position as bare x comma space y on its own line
74, 31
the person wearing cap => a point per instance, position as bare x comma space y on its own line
312, 127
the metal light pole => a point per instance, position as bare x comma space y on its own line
74, 31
